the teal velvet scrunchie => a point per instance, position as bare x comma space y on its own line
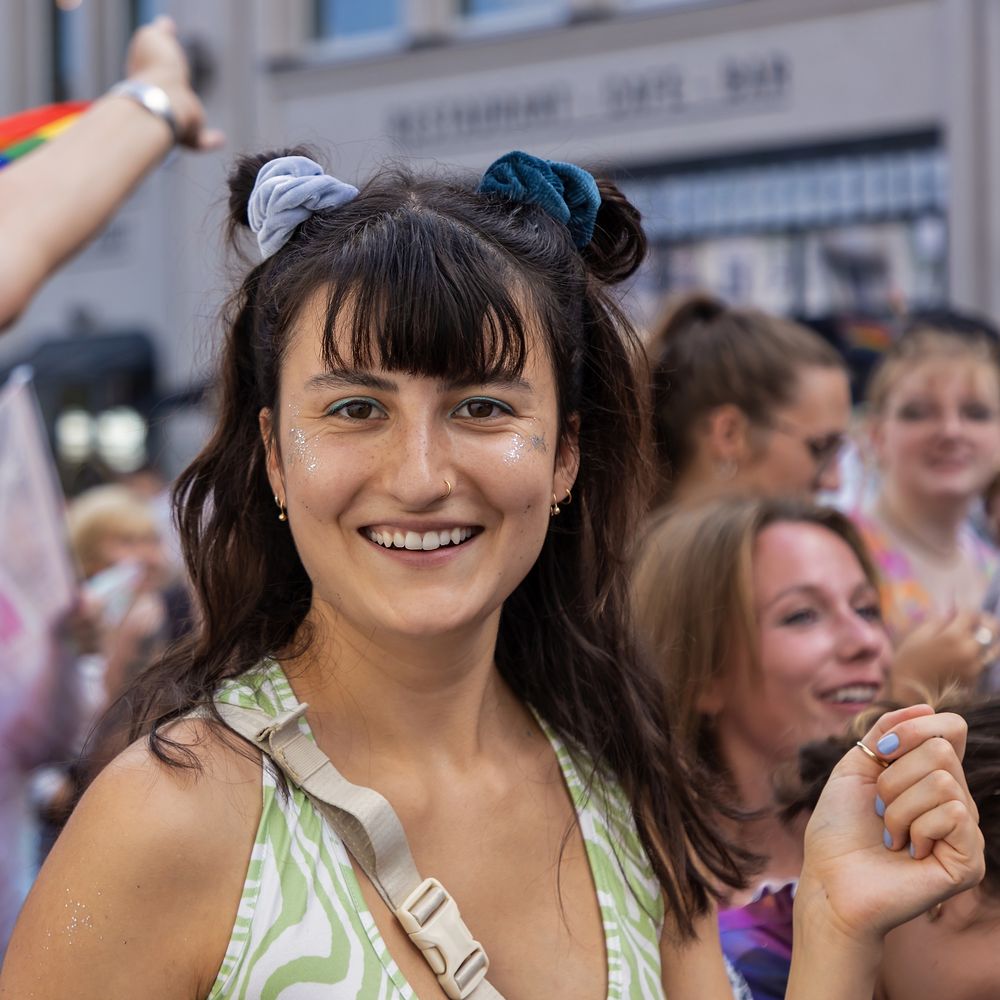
565, 191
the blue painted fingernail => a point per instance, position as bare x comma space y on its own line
887, 838
879, 805
888, 744
913, 851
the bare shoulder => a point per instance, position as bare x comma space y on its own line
139, 894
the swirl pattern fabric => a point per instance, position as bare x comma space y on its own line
565, 191
304, 932
288, 190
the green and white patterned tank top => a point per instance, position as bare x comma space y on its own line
304, 932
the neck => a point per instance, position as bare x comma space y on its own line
414, 702
752, 773
934, 526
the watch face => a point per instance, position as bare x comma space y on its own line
156, 100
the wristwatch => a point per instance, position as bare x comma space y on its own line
154, 99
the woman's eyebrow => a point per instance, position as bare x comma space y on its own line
349, 378
517, 384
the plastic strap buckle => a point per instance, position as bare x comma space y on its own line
430, 917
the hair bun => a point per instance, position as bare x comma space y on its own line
243, 176
618, 245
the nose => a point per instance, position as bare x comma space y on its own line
417, 464
860, 640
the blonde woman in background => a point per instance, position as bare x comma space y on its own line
934, 407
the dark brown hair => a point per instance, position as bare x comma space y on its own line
981, 765
704, 354
442, 281
694, 602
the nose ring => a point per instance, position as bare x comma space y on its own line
448, 494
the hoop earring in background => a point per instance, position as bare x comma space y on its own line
282, 512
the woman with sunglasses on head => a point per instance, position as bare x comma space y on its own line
934, 412
408, 539
744, 403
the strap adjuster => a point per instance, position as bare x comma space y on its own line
280, 721
430, 917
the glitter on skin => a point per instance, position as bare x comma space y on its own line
515, 452
301, 452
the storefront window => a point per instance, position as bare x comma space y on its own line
858, 230
142, 12
339, 19
68, 50
477, 8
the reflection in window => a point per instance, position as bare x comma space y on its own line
476, 8
351, 18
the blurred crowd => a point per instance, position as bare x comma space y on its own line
816, 548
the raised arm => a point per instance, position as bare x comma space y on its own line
53, 200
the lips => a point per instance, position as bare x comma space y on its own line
391, 537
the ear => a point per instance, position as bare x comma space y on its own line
567, 458
712, 699
727, 434
268, 433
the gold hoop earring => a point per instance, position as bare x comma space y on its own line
448, 494
554, 509
282, 512
568, 499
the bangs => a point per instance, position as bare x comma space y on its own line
418, 293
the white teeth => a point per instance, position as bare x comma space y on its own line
416, 542
855, 693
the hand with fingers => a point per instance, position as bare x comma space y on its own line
155, 56
956, 647
895, 831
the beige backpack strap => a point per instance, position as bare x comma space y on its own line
371, 831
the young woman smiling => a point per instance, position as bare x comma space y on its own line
935, 425
764, 617
439, 364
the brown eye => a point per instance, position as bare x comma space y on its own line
482, 408
357, 409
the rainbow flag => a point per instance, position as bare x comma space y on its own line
21, 133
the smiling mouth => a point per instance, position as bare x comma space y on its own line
852, 694
420, 541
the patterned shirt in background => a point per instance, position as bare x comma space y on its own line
905, 600
757, 941
303, 929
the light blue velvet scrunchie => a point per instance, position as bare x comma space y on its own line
287, 191
564, 190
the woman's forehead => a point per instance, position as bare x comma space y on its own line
946, 375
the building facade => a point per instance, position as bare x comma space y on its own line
809, 156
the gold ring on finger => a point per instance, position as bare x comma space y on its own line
881, 761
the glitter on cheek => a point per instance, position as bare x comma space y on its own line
301, 453
515, 452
